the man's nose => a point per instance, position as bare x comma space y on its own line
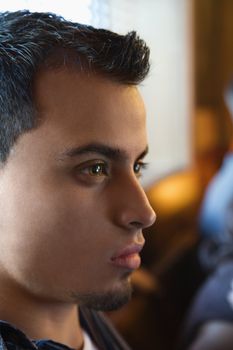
134, 210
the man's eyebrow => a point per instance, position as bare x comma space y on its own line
144, 153
98, 148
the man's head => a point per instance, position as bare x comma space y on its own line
73, 139
29, 41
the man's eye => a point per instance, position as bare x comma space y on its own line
94, 169
99, 169
92, 172
138, 167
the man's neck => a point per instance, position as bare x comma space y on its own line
40, 319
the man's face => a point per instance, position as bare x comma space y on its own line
71, 206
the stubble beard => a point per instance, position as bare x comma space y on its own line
105, 301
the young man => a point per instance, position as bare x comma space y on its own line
72, 210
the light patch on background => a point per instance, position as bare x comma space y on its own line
74, 11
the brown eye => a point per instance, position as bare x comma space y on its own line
98, 169
138, 167
92, 172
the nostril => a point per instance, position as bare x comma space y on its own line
136, 224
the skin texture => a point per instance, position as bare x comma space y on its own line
64, 214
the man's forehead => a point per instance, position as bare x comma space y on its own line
73, 74
78, 83
77, 110
68, 89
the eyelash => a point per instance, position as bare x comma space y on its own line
98, 170
100, 166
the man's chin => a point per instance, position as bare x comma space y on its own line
105, 301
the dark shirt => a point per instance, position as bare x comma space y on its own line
12, 338
95, 324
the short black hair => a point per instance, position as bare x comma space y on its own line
29, 40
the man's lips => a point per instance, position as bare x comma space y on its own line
128, 257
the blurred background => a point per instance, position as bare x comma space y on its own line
189, 132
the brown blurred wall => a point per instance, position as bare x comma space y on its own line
213, 28
213, 68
